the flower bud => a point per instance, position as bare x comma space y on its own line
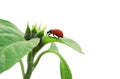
40, 34
34, 31
28, 33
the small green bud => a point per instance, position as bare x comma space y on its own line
28, 33
41, 33
34, 28
39, 27
34, 31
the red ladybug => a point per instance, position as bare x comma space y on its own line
55, 32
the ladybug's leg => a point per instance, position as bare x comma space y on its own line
55, 36
48, 34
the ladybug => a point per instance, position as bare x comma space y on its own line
55, 32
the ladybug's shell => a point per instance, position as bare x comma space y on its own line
56, 32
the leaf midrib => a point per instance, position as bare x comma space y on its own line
10, 45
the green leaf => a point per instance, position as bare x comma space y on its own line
66, 41
13, 53
13, 46
8, 27
53, 47
64, 68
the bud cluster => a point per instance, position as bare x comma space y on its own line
35, 32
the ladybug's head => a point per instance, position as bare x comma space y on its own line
49, 32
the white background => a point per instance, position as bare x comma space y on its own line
94, 24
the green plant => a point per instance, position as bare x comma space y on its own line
14, 45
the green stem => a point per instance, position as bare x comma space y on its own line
37, 48
22, 68
30, 66
38, 58
45, 52
28, 73
30, 61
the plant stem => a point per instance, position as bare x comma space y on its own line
22, 68
28, 73
30, 60
30, 66
38, 58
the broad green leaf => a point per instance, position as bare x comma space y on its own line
66, 41
64, 68
13, 46
7, 23
8, 27
13, 53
